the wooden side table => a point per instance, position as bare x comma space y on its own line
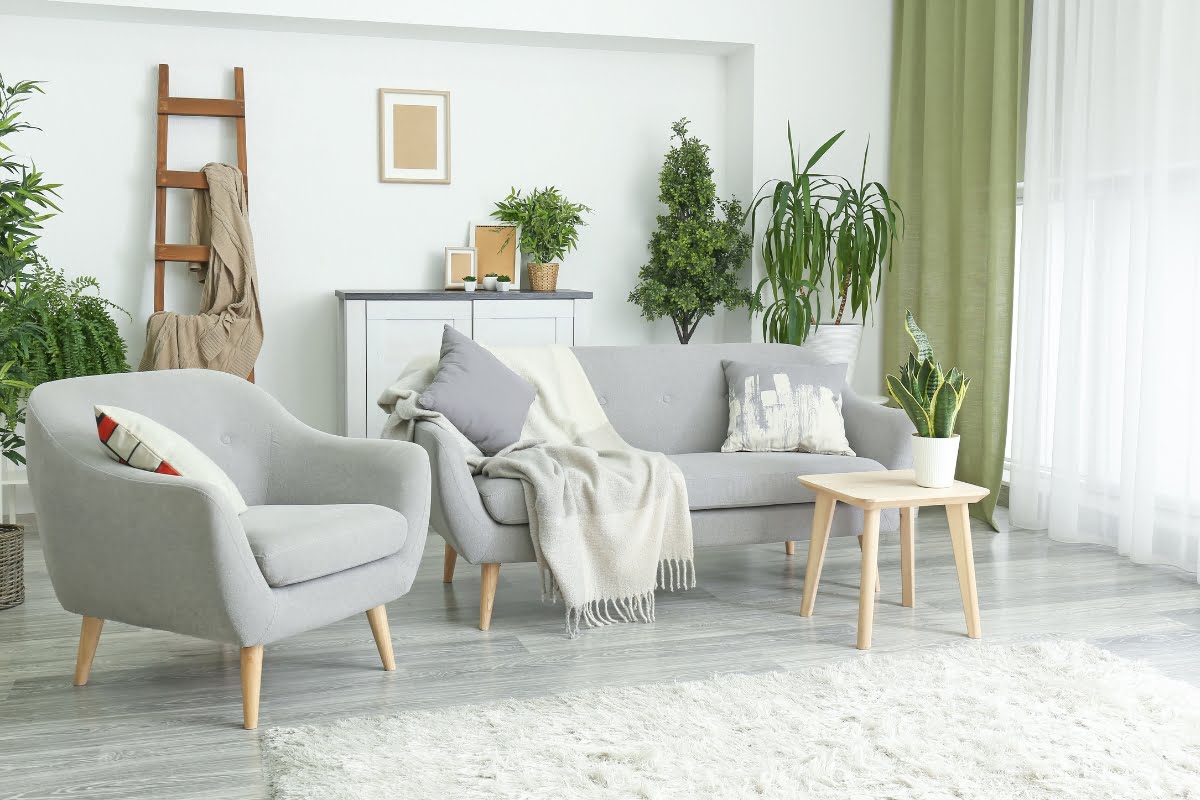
873, 492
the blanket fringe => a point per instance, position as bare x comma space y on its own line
674, 574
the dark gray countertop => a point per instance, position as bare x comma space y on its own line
478, 294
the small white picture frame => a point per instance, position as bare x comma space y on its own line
460, 262
497, 249
414, 136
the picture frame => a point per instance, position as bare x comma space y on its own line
460, 262
488, 237
414, 136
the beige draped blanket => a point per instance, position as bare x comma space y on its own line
227, 334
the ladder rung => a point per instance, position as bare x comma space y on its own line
201, 107
175, 179
193, 253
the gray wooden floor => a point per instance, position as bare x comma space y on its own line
161, 715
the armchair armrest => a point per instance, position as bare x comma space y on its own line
878, 432
157, 551
310, 467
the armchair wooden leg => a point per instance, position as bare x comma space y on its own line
487, 594
89, 638
251, 684
448, 565
789, 548
377, 616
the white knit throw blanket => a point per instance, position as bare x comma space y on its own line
609, 522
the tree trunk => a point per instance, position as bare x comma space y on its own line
845, 291
685, 327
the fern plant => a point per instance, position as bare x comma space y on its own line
78, 335
930, 397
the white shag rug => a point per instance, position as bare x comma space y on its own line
1059, 720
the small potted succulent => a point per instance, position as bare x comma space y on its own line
503, 283
489, 282
468, 283
932, 400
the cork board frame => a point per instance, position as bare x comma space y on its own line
492, 254
414, 136
460, 261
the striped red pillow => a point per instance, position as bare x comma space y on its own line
128, 448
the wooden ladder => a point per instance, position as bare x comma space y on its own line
164, 178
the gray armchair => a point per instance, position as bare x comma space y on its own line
335, 526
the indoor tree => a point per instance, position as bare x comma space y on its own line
700, 246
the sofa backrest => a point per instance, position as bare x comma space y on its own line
672, 398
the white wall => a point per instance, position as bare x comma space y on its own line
541, 93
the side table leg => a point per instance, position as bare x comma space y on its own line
908, 558
964, 560
877, 586
822, 522
870, 571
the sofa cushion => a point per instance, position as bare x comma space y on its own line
293, 544
738, 480
714, 480
485, 400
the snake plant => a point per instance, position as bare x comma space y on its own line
930, 397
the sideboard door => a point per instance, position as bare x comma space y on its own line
396, 332
510, 323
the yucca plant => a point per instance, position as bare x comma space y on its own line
795, 246
930, 397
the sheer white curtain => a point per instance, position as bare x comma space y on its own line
1106, 417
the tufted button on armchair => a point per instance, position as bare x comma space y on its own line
335, 526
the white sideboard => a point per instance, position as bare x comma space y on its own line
380, 331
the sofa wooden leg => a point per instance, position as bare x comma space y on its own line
789, 548
487, 594
877, 584
448, 564
89, 639
377, 616
251, 684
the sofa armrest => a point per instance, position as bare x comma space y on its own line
458, 513
878, 432
157, 551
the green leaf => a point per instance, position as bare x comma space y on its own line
920, 339
915, 410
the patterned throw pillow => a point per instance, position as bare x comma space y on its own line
141, 442
789, 408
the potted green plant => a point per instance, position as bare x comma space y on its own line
489, 282
468, 283
795, 246
503, 283
932, 399
549, 226
699, 247
826, 232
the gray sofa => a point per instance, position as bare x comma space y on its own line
671, 399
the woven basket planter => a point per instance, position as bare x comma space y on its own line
12, 566
543, 277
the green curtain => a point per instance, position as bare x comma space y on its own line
957, 77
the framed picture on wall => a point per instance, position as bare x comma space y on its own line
414, 136
497, 249
460, 262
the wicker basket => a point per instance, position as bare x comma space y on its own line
543, 277
12, 566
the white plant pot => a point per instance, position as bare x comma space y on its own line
489, 284
505, 286
934, 460
835, 344
469, 286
